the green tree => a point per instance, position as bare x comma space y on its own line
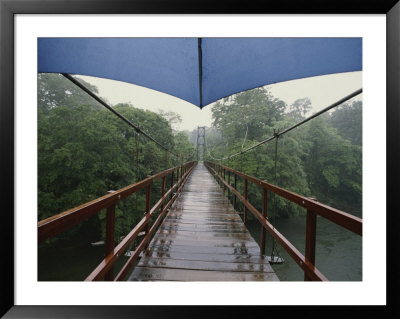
243, 121
173, 118
55, 90
184, 146
300, 108
334, 167
85, 151
252, 111
320, 159
347, 119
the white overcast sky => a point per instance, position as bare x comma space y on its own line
322, 90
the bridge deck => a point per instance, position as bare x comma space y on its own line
202, 238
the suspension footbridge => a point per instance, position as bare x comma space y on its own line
203, 238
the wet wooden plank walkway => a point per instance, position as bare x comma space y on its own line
202, 238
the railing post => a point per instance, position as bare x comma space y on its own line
234, 196
172, 183
245, 197
162, 191
311, 230
110, 237
264, 213
224, 180
148, 191
229, 182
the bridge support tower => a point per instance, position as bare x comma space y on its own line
201, 142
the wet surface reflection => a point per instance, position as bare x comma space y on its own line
202, 239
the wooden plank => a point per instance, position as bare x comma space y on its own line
215, 237
205, 265
222, 214
233, 250
205, 243
196, 231
204, 217
229, 258
203, 227
210, 222
187, 199
202, 206
166, 274
202, 238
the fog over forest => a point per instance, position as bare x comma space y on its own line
84, 151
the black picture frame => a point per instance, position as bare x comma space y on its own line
9, 8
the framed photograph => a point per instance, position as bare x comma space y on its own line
22, 23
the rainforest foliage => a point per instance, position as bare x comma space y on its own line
84, 151
320, 159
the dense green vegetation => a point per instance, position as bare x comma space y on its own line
321, 159
84, 151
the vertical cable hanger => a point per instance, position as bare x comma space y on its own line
275, 256
137, 169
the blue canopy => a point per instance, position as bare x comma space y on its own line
200, 70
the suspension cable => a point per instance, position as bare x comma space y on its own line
218, 159
245, 136
274, 248
346, 98
98, 99
137, 169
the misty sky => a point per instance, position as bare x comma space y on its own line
322, 90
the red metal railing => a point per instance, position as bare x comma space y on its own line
54, 225
307, 262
